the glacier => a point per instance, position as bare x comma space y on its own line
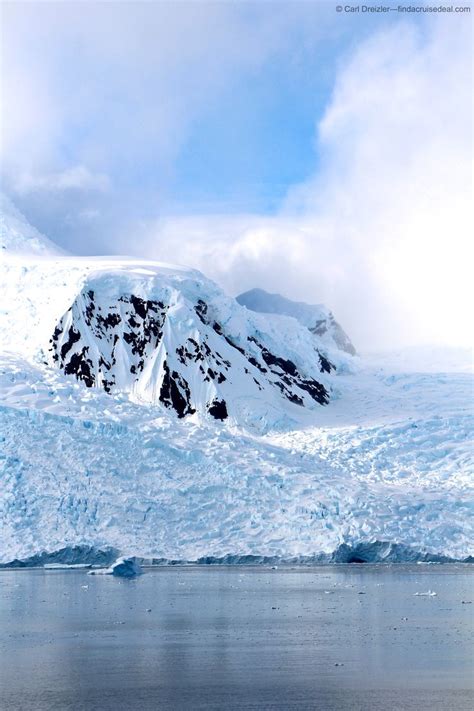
144, 413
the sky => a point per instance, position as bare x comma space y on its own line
325, 155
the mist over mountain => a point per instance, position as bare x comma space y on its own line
317, 318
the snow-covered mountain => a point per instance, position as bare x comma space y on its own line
164, 334
144, 411
170, 336
317, 318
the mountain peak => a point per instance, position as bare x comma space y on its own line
316, 317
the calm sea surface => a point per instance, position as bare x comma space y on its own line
345, 637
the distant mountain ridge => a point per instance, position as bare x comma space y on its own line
317, 318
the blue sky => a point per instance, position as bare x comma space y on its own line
259, 139
238, 97
249, 148
276, 144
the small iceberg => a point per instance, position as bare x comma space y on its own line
430, 593
122, 568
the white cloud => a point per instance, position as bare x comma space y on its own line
77, 177
382, 232
116, 85
101, 95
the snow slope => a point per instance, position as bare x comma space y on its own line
387, 458
318, 318
17, 236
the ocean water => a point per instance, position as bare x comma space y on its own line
341, 637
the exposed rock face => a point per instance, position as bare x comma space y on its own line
131, 322
318, 319
186, 351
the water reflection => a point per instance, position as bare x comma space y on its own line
224, 638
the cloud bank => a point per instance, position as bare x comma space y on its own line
383, 231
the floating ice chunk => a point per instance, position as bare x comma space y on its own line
125, 568
122, 568
430, 593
